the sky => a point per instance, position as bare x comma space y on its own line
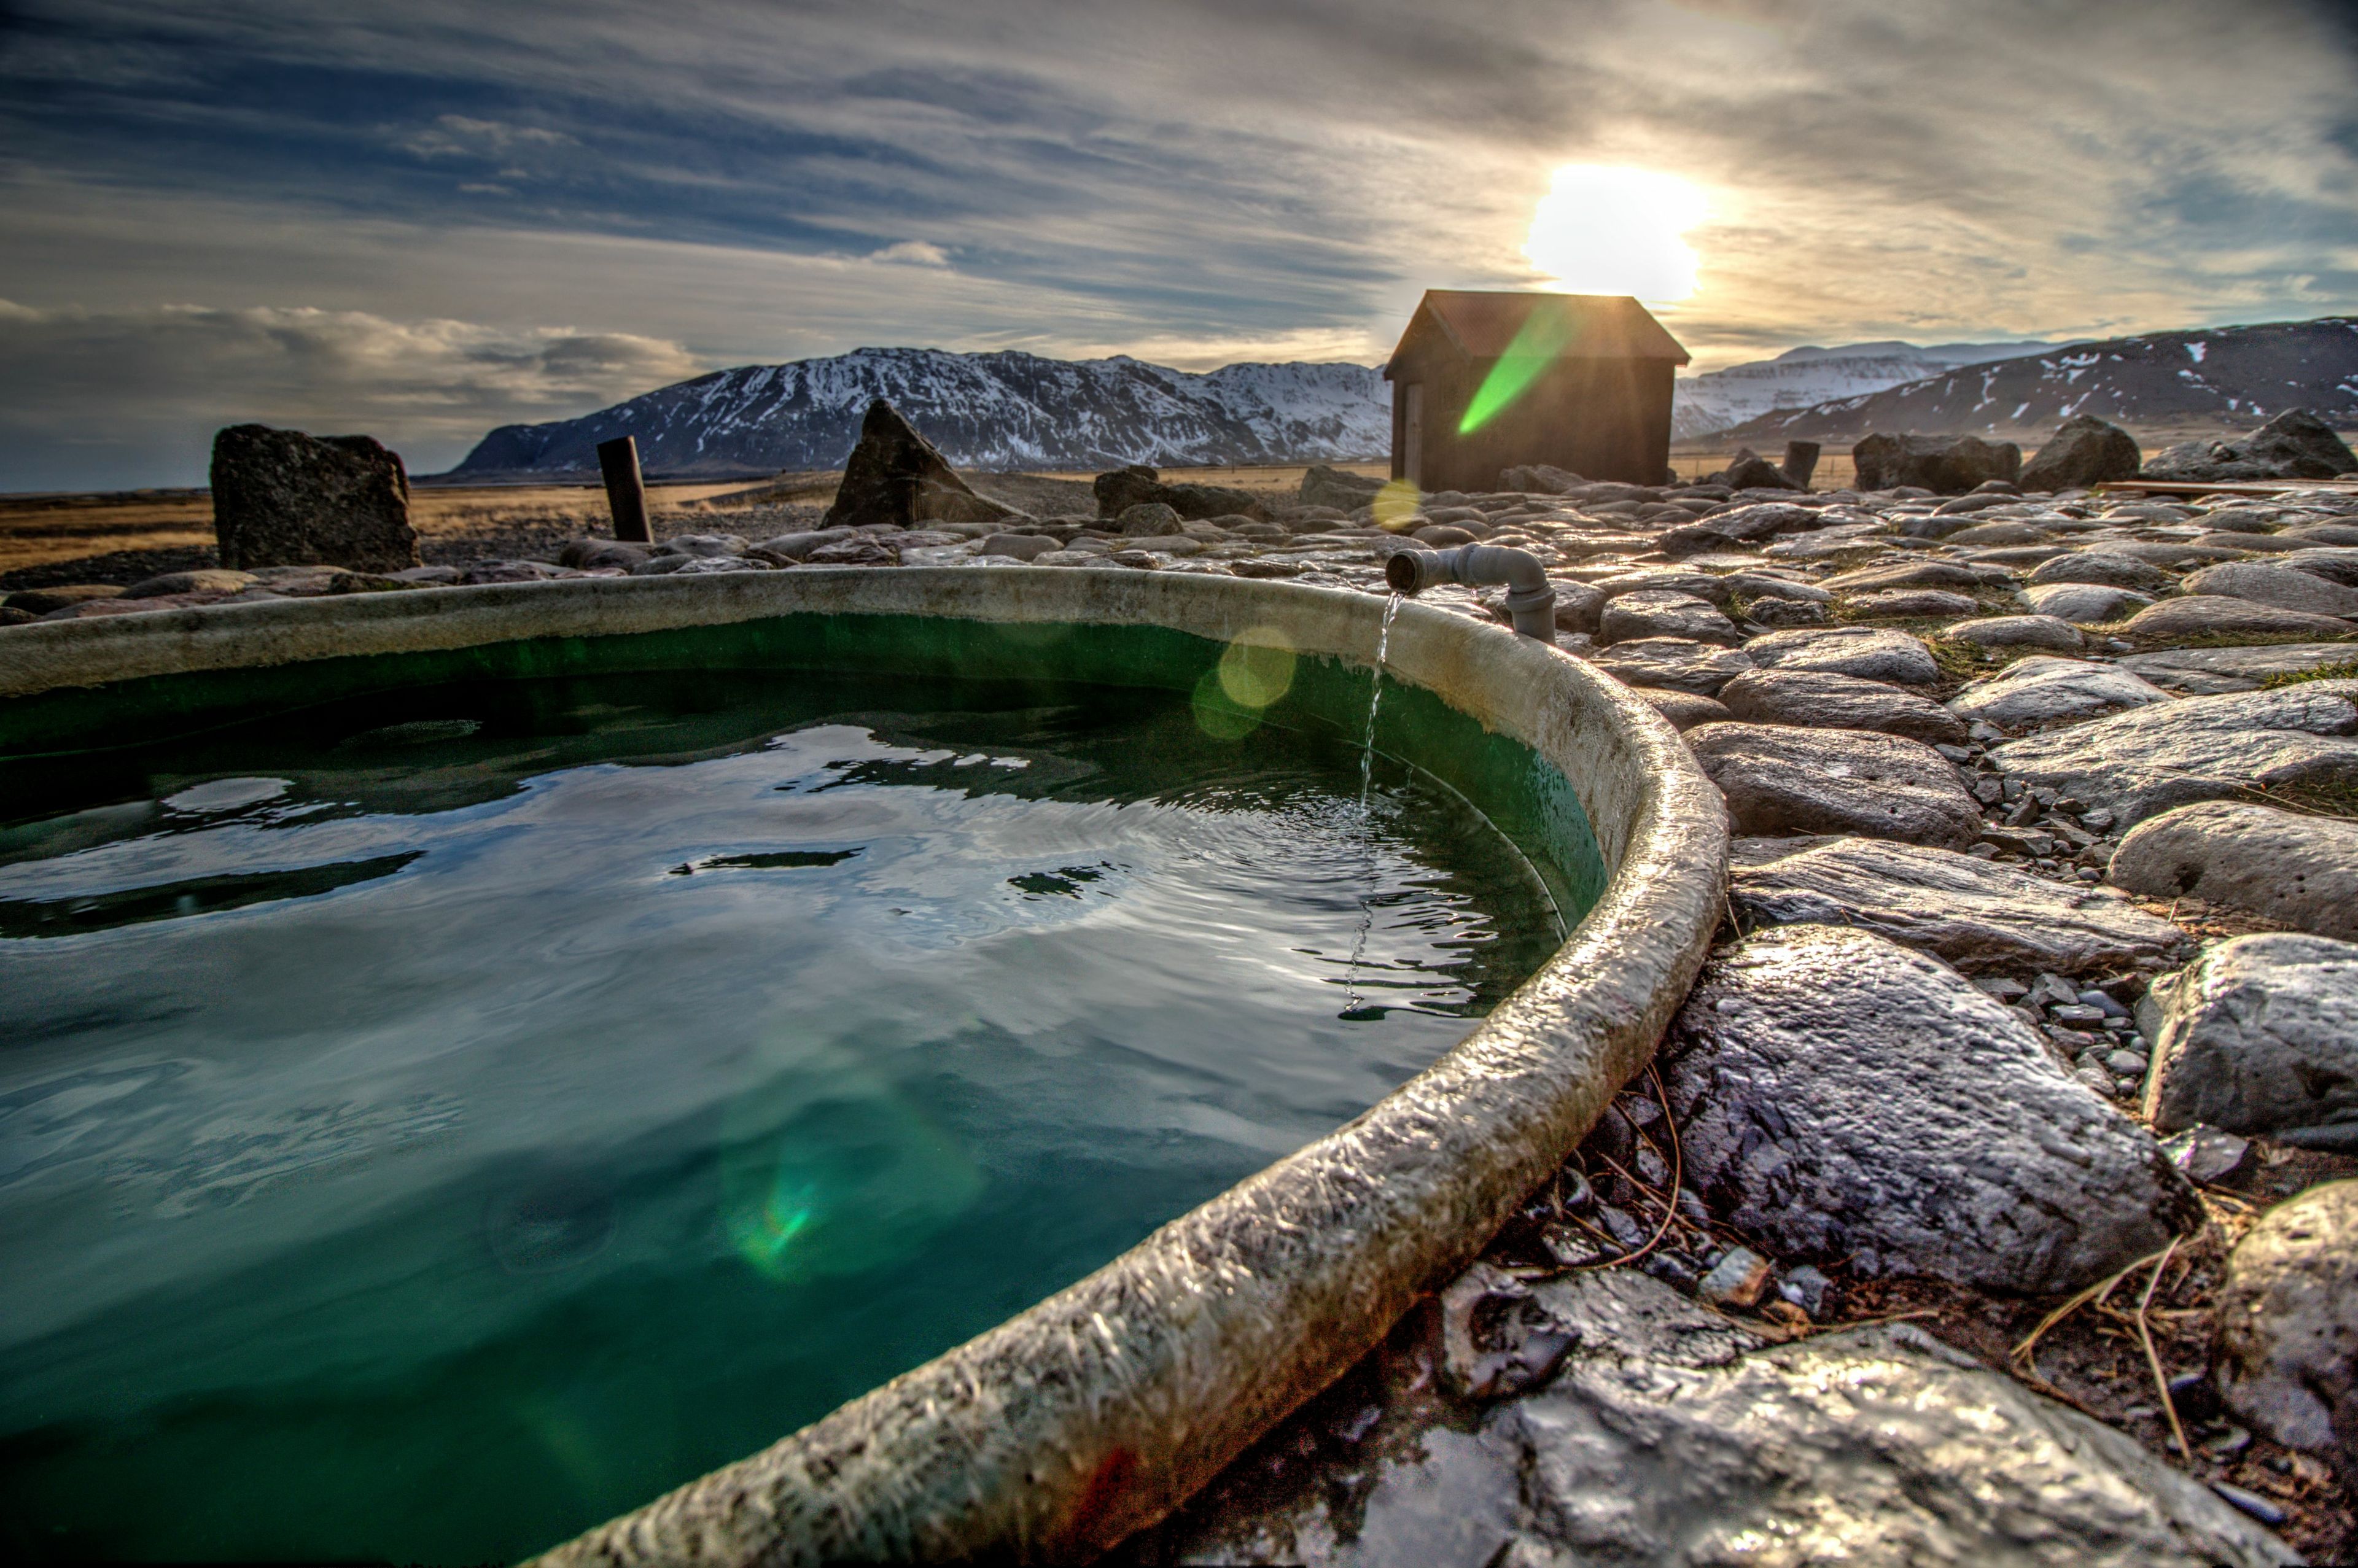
421, 220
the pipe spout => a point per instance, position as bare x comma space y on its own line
1531, 598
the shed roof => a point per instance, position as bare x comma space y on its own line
1481, 324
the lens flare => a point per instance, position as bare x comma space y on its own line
1254, 672
1395, 506
1604, 228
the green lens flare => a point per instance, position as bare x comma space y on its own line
1542, 337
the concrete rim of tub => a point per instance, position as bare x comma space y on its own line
1098, 1411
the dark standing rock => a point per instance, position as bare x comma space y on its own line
1324, 486
1784, 781
1841, 1097
285, 499
2288, 1324
2293, 445
1974, 914
1139, 485
896, 478
1819, 700
2257, 1037
1945, 465
2083, 452
1750, 470
2289, 865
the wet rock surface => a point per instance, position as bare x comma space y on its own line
2295, 867
1842, 1097
2257, 1037
1975, 915
1782, 780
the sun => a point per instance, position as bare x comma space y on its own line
1605, 229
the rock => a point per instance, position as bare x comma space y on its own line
703, 544
1673, 663
2298, 870
1148, 519
2288, 1324
2255, 1037
1780, 780
1909, 604
1786, 612
1842, 1097
2208, 1156
2198, 748
1684, 709
2083, 453
1138, 484
894, 478
2016, 631
1816, 699
1739, 1279
9, 617
1945, 465
1655, 613
1975, 915
204, 579
2216, 615
589, 553
2293, 445
283, 498
2284, 586
1669, 1438
1347, 493
50, 600
2102, 567
1907, 574
2085, 603
1750, 470
2206, 672
2040, 688
1579, 608
2334, 565
1868, 653
2004, 533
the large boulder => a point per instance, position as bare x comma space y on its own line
2255, 1037
896, 478
1139, 485
2293, 445
2292, 867
1945, 465
1786, 781
285, 499
2042, 687
1974, 914
1749, 470
2198, 748
2288, 1324
2083, 452
1324, 486
1841, 1097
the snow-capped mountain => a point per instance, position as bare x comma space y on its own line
1801, 378
984, 411
2227, 376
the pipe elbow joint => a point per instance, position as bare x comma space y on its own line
1531, 598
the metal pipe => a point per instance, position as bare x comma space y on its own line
1531, 598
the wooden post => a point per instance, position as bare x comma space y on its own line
626, 493
1801, 462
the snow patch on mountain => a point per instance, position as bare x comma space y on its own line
1803, 377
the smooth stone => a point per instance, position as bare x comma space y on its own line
2016, 631
1841, 1097
1870, 652
2216, 615
2209, 672
1673, 663
203, 579
1909, 604
2099, 567
2085, 603
2001, 533
1975, 915
2288, 1324
1666, 579
1021, 547
2284, 586
1907, 574
1782, 780
2197, 748
2042, 689
1757, 585
2335, 565
1684, 709
2296, 869
49, 600
2255, 1037
1815, 700
1654, 612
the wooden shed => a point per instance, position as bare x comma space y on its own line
1487, 380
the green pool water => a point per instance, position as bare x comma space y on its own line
435, 1120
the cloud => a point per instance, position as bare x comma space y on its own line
141, 391
1169, 177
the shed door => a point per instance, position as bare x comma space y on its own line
1412, 433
